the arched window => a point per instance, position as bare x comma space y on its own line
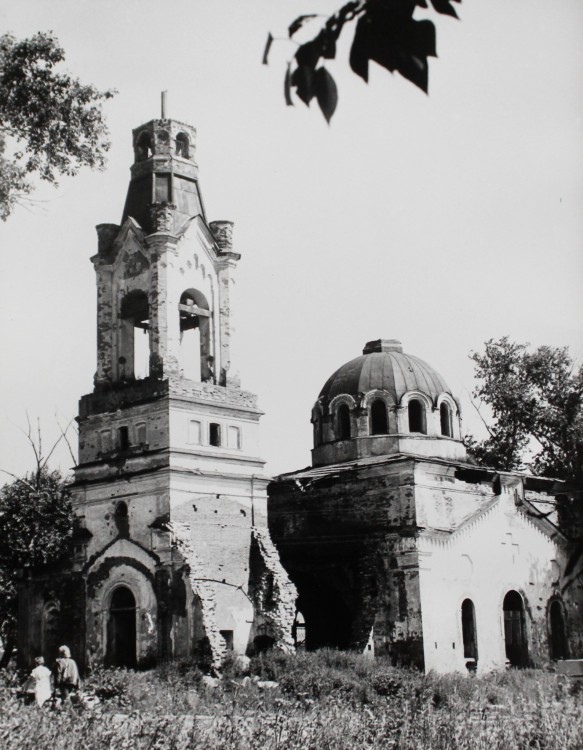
121, 629
135, 346
557, 634
143, 146
416, 412
196, 361
445, 419
378, 418
515, 630
182, 145
469, 630
343, 422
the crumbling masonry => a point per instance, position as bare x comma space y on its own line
172, 554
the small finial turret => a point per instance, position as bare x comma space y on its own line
163, 96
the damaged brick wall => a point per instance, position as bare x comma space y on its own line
273, 594
202, 589
347, 538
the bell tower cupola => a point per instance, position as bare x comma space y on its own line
164, 277
164, 174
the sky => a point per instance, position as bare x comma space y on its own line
441, 220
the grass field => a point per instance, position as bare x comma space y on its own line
324, 701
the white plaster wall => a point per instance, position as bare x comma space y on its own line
207, 455
498, 552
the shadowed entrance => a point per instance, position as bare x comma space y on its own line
515, 630
121, 629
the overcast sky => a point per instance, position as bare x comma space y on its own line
441, 221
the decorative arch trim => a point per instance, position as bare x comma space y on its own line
416, 395
341, 398
375, 395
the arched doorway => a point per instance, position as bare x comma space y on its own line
121, 629
557, 634
515, 630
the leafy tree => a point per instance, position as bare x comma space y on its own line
385, 32
36, 524
536, 402
50, 123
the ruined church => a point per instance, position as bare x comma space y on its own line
391, 543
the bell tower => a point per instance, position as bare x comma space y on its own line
168, 440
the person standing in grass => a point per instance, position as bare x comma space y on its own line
39, 682
66, 674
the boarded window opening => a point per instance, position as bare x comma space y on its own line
343, 422
121, 519
105, 441
416, 412
141, 433
445, 420
215, 434
194, 432
234, 437
378, 418
469, 630
515, 630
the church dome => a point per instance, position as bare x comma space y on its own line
384, 366
385, 402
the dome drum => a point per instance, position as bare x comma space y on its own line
382, 403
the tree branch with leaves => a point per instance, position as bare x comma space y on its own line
51, 124
385, 32
536, 403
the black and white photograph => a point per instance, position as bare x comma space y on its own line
291, 414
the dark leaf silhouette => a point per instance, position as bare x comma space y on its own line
445, 7
299, 22
326, 92
268, 44
302, 79
287, 87
386, 33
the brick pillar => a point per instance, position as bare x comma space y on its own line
164, 321
105, 315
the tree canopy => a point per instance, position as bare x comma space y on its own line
385, 32
36, 525
536, 403
51, 124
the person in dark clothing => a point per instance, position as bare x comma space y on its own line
66, 674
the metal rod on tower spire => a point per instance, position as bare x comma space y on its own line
163, 104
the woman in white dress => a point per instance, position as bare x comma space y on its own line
40, 681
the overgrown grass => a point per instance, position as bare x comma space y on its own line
325, 701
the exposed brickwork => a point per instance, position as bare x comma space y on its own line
197, 576
274, 594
